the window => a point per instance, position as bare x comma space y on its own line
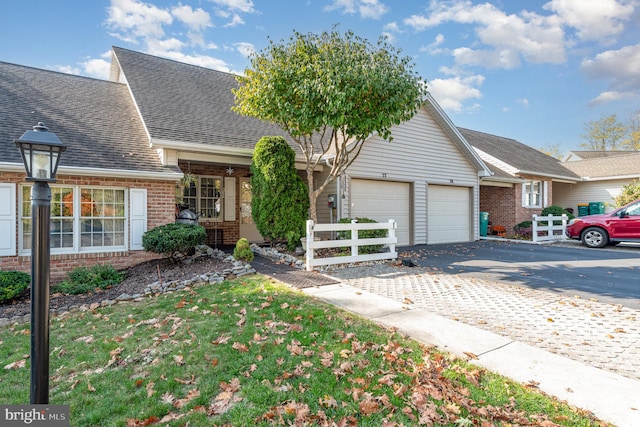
205, 197
82, 219
532, 194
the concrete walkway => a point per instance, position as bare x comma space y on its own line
581, 351
610, 396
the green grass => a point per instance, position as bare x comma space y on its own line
254, 352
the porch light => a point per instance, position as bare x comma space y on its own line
40, 150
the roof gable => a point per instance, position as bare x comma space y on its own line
95, 119
515, 158
186, 104
607, 167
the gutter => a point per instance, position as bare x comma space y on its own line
110, 173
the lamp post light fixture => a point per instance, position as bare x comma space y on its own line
40, 150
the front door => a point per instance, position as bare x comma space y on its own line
248, 228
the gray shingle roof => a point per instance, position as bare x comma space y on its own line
525, 159
186, 103
592, 154
624, 164
96, 119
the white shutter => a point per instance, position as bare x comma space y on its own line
138, 217
7, 219
229, 199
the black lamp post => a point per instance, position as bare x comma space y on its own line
40, 151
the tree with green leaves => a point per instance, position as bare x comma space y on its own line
604, 134
629, 193
330, 92
632, 141
280, 202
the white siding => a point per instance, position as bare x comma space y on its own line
420, 153
569, 195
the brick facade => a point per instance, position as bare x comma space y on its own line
504, 204
160, 210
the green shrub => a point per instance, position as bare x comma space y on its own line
169, 239
83, 280
280, 199
523, 229
556, 210
363, 234
13, 284
242, 251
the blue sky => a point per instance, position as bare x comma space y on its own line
535, 71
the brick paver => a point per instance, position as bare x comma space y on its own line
602, 335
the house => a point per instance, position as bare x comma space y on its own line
524, 180
603, 174
133, 139
592, 154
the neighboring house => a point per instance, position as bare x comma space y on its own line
524, 180
593, 154
131, 140
603, 174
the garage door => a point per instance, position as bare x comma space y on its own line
382, 201
448, 214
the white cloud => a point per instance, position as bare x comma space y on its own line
593, 19
132, 19
508, 39
68, 69
452, 93
368, 9
245, 49
235, 21
197, 20
434, 47
98, 68
245, 6
609, 96
621, 67
524, 102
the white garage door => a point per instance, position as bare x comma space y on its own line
448, 214
382, 201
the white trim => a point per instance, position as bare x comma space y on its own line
109, 173
7, 219
201, 148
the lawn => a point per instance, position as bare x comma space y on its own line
254, 352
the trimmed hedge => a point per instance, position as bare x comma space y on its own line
83, 280
169, 239
13, 284
363, 234
242, 251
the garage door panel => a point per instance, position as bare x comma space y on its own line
382, 201
448, 216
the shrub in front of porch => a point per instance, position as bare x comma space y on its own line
173, 239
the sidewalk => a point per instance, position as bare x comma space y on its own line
584, 352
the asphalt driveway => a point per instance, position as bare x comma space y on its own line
608, 275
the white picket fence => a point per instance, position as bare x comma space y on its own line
312, 243
548, 232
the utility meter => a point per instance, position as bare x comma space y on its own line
331, 201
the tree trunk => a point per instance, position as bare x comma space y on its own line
313, 195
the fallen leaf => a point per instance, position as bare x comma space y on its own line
16, 365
